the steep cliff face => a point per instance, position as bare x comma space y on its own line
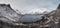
58, 7
8, 14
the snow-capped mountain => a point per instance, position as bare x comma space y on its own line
37, 11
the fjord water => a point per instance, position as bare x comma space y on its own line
30, 18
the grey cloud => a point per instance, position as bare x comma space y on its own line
24, 5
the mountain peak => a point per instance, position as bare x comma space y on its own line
58, 6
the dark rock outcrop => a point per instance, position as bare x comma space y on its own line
58, 7
8, 17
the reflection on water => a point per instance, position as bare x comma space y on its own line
30, 18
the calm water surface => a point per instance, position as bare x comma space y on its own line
31, 18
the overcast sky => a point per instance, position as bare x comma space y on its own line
30, 6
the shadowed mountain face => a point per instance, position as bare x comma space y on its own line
8, 12
58, 7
